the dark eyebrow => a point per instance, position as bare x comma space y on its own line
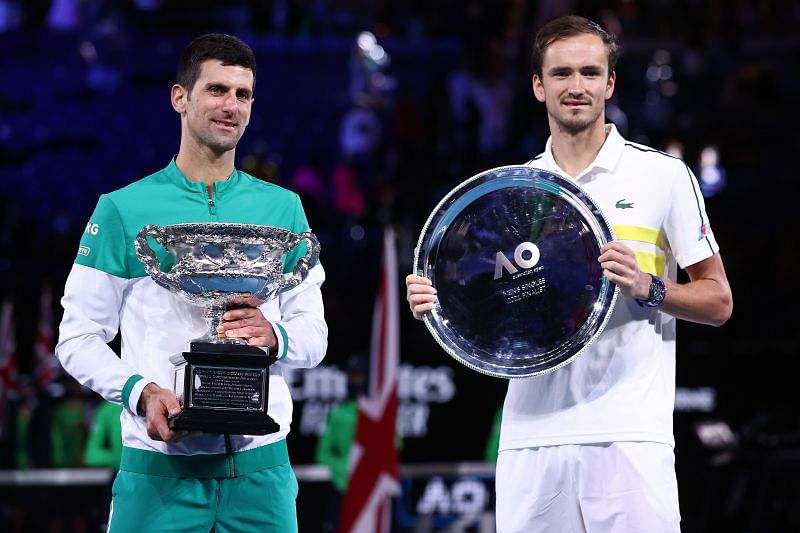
225, 87
592, 69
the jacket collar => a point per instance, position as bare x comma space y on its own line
175, 176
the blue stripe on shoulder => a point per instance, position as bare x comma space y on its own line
692, 182
648, 149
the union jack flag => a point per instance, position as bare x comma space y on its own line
373, 456
8, 360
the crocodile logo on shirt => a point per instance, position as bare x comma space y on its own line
622, 204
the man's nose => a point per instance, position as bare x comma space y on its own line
230, 102
576, 83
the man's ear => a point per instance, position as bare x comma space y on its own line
538, 88
612, 82
178, 97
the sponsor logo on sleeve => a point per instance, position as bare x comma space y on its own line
84, 250
703, 231
92, 229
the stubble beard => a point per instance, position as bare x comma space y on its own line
220, 144
222, 147
573, 125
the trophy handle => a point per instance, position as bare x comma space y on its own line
304, 263
148, 257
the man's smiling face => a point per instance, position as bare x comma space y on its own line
575, 82
217, 110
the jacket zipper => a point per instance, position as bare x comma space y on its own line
231, 459
212, 205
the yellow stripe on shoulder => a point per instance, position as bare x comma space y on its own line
650, 263
640, 234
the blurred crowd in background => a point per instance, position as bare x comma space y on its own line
372, 111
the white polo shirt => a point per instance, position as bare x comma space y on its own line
622, 388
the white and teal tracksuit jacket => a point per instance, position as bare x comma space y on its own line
108, 290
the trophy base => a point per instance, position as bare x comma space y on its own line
225, 389
227, 423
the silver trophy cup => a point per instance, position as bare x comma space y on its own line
217, 264
223, 383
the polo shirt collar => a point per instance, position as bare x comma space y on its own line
175, 175
606, 159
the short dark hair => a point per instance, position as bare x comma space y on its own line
226, 48
569, 26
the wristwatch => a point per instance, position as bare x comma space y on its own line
658, 291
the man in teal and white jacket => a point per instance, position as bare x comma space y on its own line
172, 480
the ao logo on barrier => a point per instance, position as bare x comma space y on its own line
521, 258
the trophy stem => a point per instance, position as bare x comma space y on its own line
213, 317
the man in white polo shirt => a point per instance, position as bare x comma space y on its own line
590, 447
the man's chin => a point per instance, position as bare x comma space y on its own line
574, 127
225, 145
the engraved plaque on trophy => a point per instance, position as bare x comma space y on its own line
223, 383
513, 255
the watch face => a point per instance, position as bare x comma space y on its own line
652, 292
513, 255
657, 292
